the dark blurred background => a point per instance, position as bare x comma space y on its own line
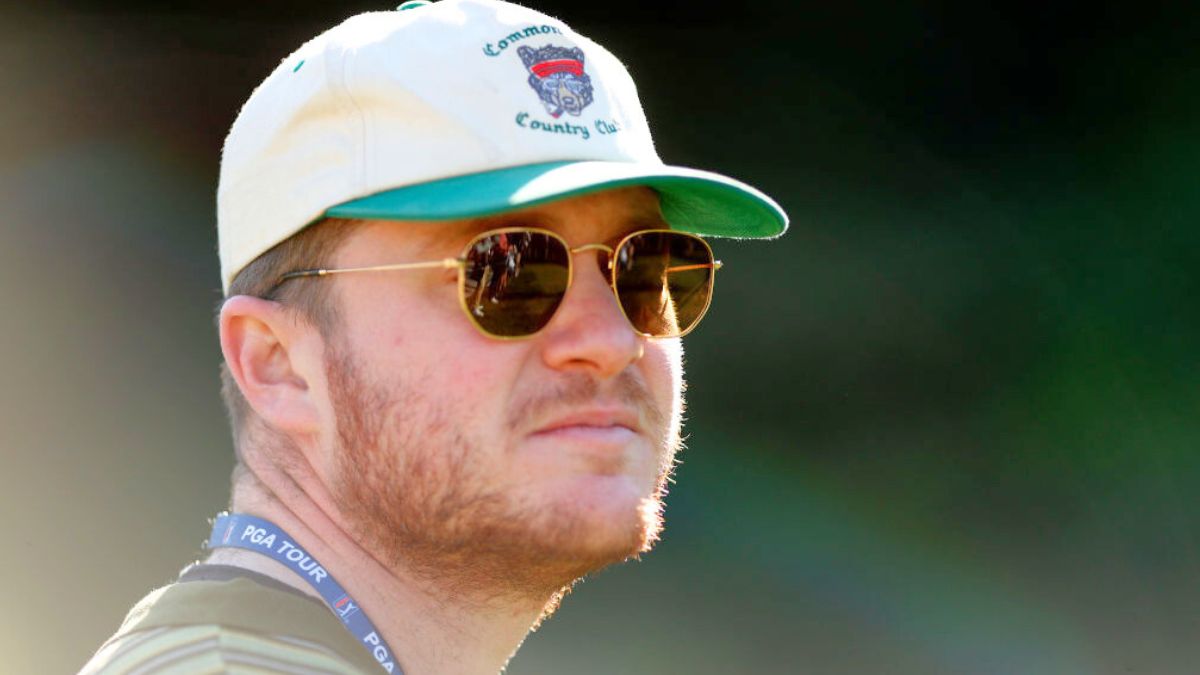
948, 424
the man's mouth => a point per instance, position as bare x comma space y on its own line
610, 423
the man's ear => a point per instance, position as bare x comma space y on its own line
265, 350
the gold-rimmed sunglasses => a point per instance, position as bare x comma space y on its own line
512, 280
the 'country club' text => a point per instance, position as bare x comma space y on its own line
603, 127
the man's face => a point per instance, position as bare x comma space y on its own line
526, 462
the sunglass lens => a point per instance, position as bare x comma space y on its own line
664, 281
514, 281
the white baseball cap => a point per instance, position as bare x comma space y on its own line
447, 110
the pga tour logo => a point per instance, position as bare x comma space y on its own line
345, 607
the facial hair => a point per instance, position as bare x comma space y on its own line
412, 493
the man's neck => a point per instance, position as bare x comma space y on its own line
431, 632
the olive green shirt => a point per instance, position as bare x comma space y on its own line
223, 619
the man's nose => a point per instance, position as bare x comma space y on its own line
589, 331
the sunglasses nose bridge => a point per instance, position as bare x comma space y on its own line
605, 262
605, 255
593, 247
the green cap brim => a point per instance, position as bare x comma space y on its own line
691, 200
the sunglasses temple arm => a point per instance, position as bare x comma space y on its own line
716, 265
445, 263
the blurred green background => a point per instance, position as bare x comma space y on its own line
948, 424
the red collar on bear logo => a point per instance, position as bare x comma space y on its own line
548, 68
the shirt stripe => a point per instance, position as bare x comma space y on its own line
213, 649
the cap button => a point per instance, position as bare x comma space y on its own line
412, 4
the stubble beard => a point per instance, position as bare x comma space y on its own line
411, 495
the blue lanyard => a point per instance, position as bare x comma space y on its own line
238, 530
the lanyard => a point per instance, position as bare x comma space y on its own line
238, 530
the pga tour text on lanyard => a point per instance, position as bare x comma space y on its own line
238, 530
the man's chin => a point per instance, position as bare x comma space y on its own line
605, 519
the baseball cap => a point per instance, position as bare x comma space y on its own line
448, 110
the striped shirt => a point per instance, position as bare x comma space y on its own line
222, 619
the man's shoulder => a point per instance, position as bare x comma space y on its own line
213, 649
229, 624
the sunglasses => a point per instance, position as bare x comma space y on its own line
512, 280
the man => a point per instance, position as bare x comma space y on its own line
456, 275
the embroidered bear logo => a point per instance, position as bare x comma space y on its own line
556, 74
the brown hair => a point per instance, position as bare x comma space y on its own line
313, 247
